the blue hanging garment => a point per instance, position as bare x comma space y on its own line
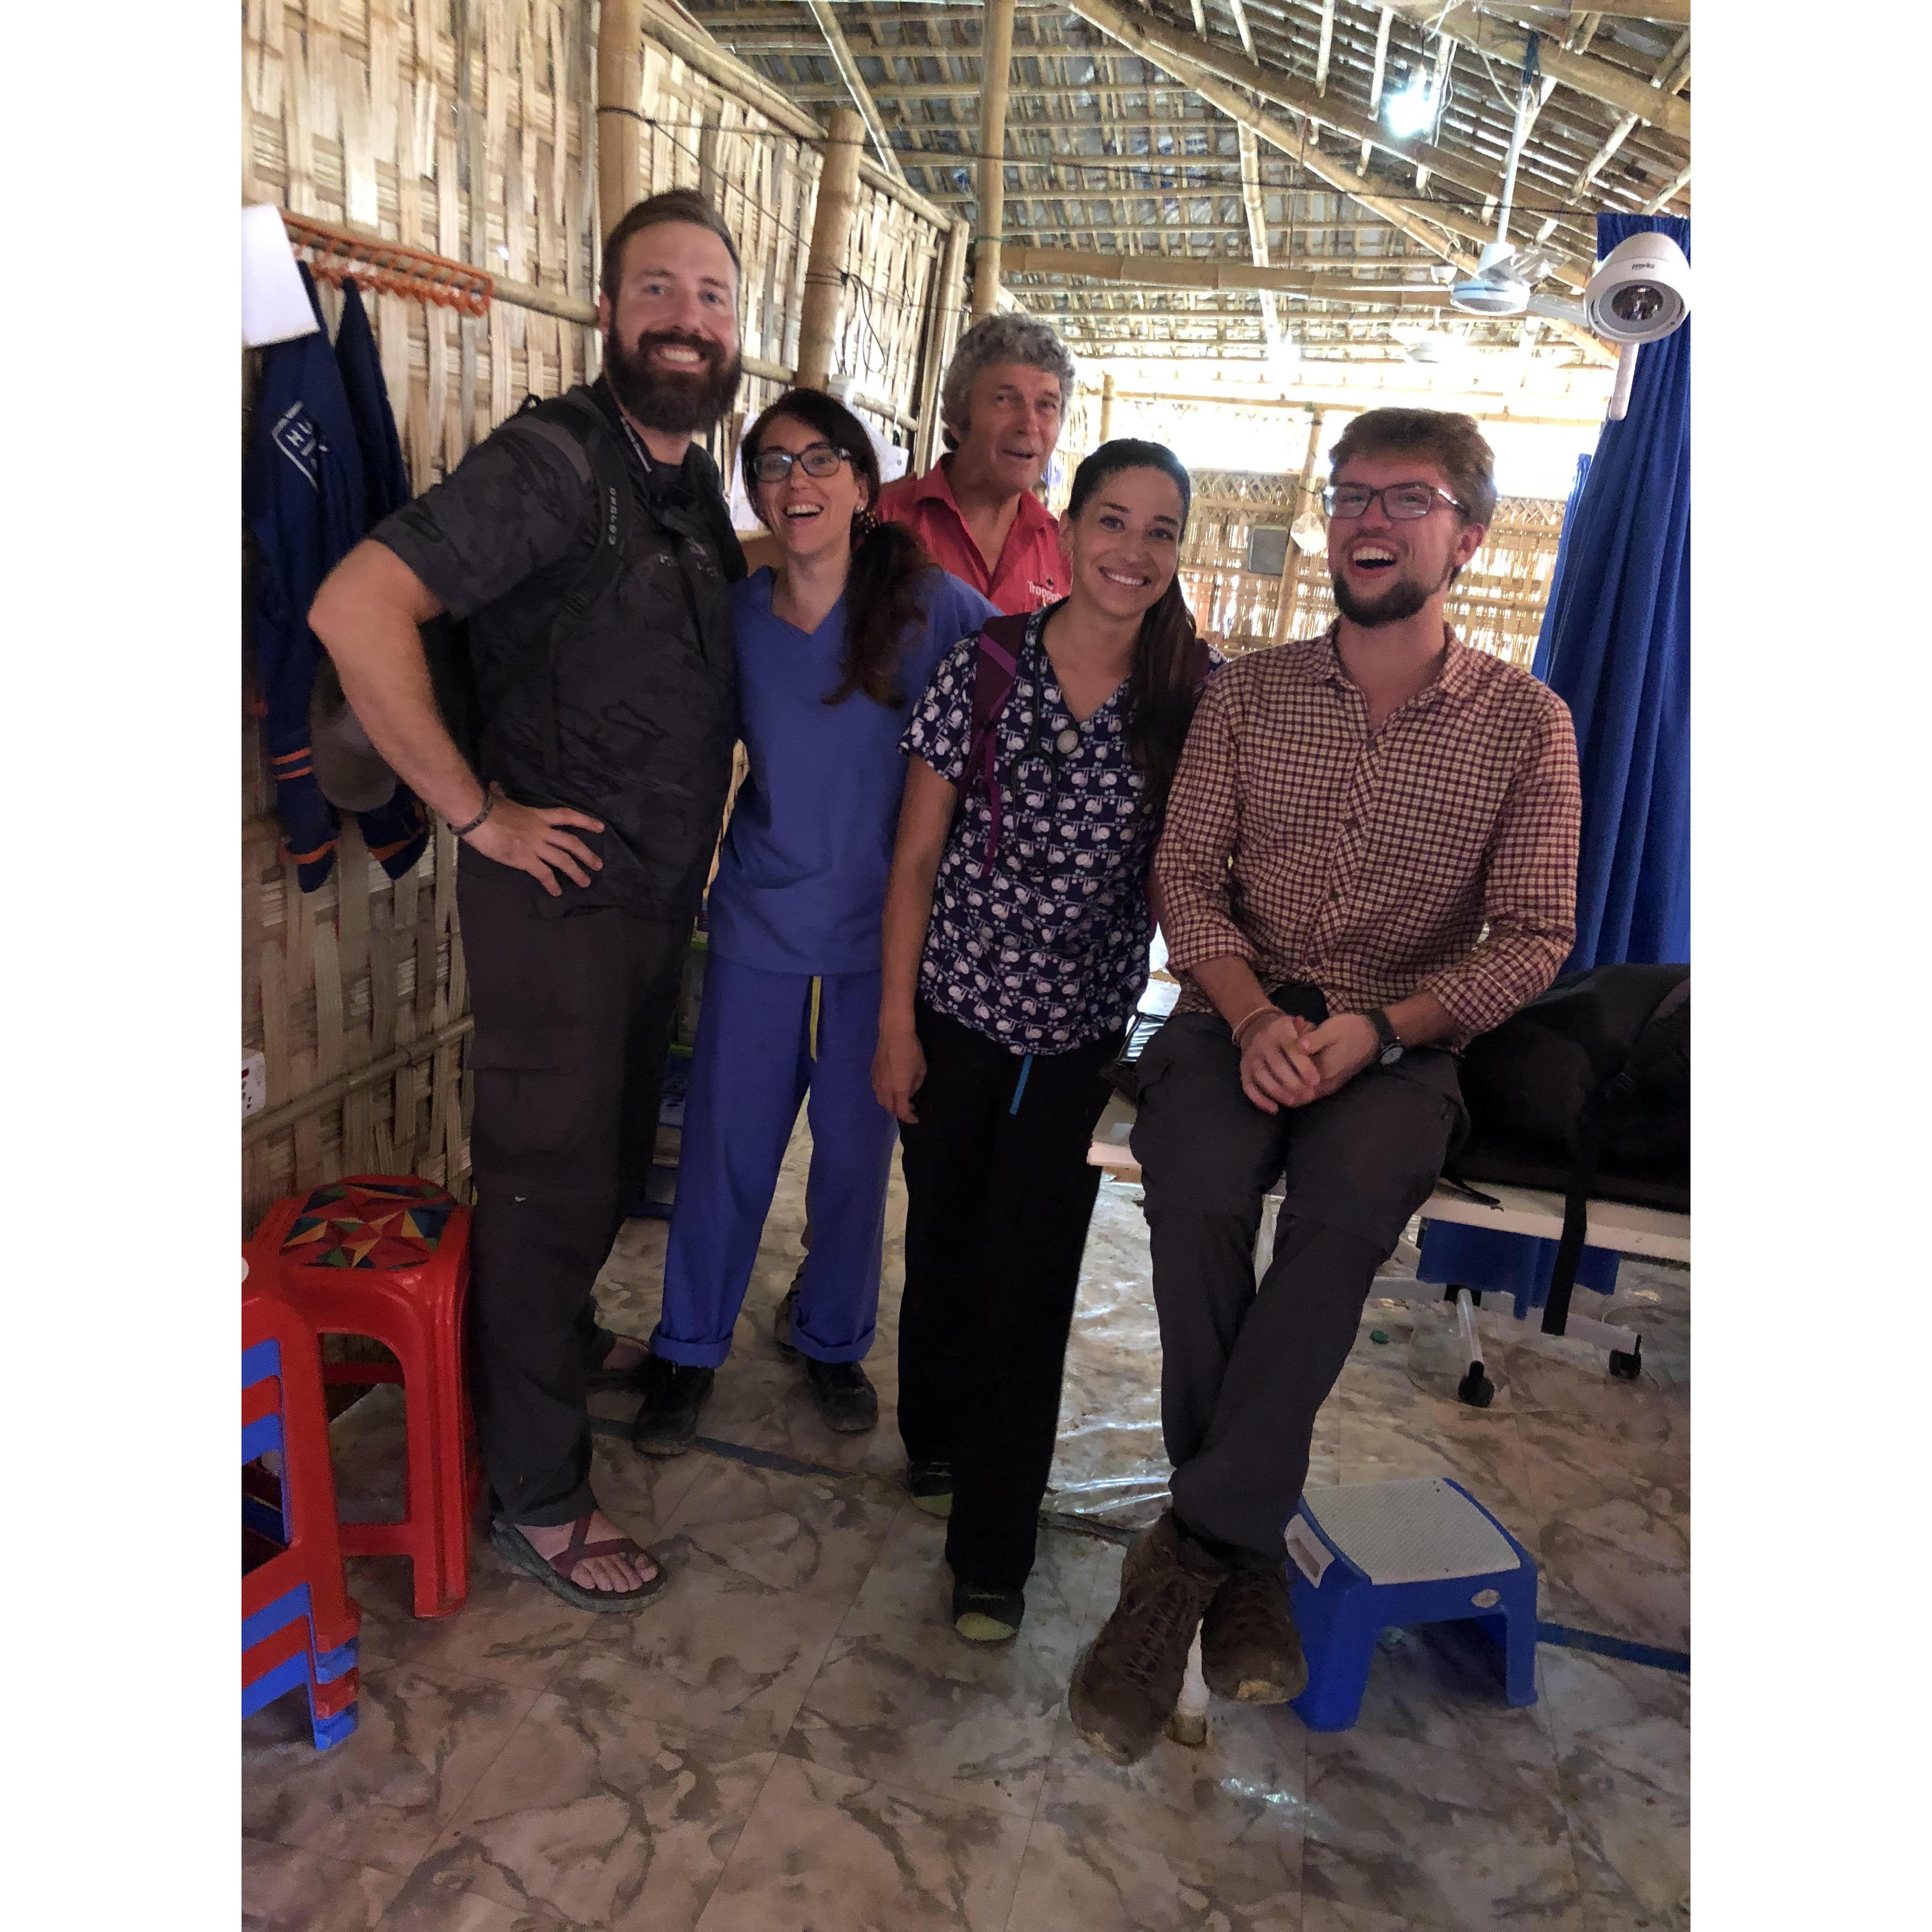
305, 501
395, 832
301, 495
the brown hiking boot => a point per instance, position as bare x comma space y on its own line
1250, 1651
1127, 1679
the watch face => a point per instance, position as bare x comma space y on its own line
1390, 1055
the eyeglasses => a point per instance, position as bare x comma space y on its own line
1404, 502
821, 459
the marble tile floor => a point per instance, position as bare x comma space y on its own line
792, 1740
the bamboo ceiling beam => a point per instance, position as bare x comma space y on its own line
862, 95
1665, 195
1345, 399
1171, 271
1322, 52
1378, 74
1672, 13
996, 62
1241, 24
1602, 80
1257, 239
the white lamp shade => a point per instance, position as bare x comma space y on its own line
275, 305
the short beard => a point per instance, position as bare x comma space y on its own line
1398, 602
677, 405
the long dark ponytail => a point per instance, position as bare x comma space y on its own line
1164, 681
888, 562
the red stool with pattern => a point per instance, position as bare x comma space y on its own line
387, 1256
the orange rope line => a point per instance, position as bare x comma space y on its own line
390, 268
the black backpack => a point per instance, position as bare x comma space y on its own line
446, 639
1585, 1092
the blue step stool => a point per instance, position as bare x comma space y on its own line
1370, 1557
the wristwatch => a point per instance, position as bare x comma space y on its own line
1389, 1048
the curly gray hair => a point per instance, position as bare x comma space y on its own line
1001, 338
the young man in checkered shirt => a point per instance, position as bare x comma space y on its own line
1370, 857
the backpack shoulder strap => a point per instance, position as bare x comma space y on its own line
995, 666
574, 424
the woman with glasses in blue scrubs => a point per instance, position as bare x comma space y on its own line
836, 643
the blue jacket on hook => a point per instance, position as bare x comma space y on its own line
304, 499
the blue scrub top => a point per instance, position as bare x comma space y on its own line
801, 881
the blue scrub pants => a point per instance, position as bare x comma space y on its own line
755, 1060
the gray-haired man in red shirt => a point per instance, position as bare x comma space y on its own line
1370, 857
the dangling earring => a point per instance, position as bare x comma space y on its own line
863, 525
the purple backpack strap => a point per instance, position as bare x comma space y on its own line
994, 669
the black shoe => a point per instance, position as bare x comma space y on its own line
987, 1616
847, 1401
781, 1320
930, 1486
666, 1421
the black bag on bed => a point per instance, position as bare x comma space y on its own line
1585, 1092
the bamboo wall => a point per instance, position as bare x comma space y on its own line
468, 127
1496, 605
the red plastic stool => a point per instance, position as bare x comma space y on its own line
387, 1256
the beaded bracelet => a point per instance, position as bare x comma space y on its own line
489, 806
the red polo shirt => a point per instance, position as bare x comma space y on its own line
1030, 573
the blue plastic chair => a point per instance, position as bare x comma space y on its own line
1368, 1557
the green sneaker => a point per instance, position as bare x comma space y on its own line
987, 1616
930, 1486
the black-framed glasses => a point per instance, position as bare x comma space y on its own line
817, 459
1404, 502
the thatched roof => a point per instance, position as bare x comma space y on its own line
1229, 132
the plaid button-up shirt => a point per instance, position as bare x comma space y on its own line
1436, 853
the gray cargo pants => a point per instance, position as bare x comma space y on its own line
1244, 1369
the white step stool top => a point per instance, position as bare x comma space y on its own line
1417, 1531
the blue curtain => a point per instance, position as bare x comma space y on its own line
1616, 647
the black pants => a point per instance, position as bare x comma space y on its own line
1243, 1371
998, 1200
574, 1019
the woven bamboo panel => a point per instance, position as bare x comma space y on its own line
468, 127
1496, 605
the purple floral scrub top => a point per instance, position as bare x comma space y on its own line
1049, 950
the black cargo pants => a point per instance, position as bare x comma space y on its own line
575, 1014
1243, 1370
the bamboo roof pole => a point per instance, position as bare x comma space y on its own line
942, 332
1107, 395
1600, 79
1380, 74
825, 268
1176, 271
1252, 206
1290, 568
840, 51
620, 89
1240, 13
996, 61
1342, 401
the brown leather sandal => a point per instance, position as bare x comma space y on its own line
553, 1572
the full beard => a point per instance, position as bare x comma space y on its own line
678, 405
1393, 605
